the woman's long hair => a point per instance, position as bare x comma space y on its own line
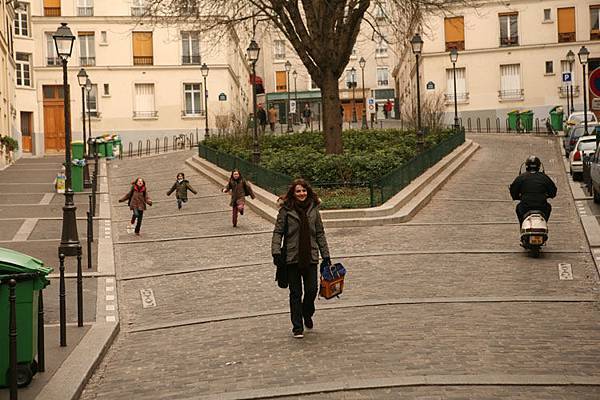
289, 198
231, 179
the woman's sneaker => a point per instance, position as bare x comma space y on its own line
298, 334
308, 323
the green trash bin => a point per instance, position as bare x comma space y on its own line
77, 150
513, 120
77, 178
117, 147
526, 120
109, 148
30, 275
556, 118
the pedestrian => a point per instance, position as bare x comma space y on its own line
137, 198
239, 188
261, 115
60, 180
307, 115
181, 187
387, 108
299, 220
272, 117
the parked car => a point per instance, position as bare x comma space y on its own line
595, 175
585, 147
576, 133
576, 118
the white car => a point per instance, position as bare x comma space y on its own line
576, 118
585, 147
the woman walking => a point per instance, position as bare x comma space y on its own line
137, 198
300, 228
239, 189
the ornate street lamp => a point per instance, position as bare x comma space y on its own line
361, 63
204, 71
583, 59
417, 46
570, 60
288, 67
81, 78
295, 75
253, 52
353, 85
453, 59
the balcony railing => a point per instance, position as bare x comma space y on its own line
461, 97
51, 11
280, 56
87, 61
281, 88
595, 35
93, 114
509, 41
566, 37
145, 114
53, 61
192, 113
513, 94
85, 11
382, 82
459, 45
190, 59
564, 90
138, 11
143, 60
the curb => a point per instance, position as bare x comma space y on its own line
71, 377
400, 208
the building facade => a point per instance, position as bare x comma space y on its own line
8, 111
511, 56
146, 78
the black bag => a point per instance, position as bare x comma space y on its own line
281, 274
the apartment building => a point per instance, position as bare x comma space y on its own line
380, 59
511, 56
7, 74
147, 80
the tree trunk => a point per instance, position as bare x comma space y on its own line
332, 115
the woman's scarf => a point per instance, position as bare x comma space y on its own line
304, 247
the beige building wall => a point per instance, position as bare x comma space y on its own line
7, 75
539, 56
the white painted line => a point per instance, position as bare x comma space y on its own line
111, 318
46, 199
110, 297
110, 280
148, 299
110, 288
565, 273
25, 230
110, 307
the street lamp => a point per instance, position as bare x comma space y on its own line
288, 67
81, 78
417, 45
570, 60
583, 59
361, 63
204, 71
295, 75
63, 42
253, 52
453, 59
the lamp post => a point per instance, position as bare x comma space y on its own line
453, 59
417, 45
253, 52
295, 75
88, 89
583, 59
69, 243
353, 85
82, 77
204, 71
288, 67
571, 60
361, 63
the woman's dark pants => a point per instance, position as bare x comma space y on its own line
302, 308
137, 215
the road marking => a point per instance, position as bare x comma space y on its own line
111, 318
110, 288
565, 273
110, 307
25, 230
110, 297
46, 199
148, 299
110, 280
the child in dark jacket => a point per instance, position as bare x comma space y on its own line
137, 198
181, 187
239, 189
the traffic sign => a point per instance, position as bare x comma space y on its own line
371, 105
293, 106
430, 85
567, 79
595, 82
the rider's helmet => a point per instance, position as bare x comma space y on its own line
532, 163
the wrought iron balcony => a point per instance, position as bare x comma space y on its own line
514, 94
53, 61
143, 60
461, 97
145, 114
51, 11
192, 113
509, 41
85, 11
190, 59
87, 61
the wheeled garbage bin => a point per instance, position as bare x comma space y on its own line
513, 120
526, 120
30, 274
556, 118
77, 150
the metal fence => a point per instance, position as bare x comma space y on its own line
158, 145
497, 125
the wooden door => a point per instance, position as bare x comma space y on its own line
26, 130
54, 119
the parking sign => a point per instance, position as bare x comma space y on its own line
567, 78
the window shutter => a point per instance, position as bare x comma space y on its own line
454, 29
144, 97
566, 20
281, 81
142, 44
51, 3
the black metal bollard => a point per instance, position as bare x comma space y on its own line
165, 144
41, 345
139, 149
90, 233
79, 289
62, 301
157, 146
130, 149
12, 339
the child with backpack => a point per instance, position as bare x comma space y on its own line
239, 189
137, 198
181, 187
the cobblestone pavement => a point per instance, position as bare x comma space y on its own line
447, 295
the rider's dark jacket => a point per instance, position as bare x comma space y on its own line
532, 189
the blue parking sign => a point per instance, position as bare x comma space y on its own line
567, 78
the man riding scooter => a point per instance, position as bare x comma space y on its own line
533, 188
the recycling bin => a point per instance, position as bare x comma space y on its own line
101, 147
117, 147
526, 120
556, 118
513, 120
77, 178
109, 148
30, 274
77, 150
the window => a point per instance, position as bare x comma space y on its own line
461, 86
144, 101
379, 11
510, 82
566, 24
547, 15
280, 81
103, 37
87, 53
23, 69
382, 76
193, 99
313, 85
350, 78
454, 31
21, 20
106, 90
549, 67
382, 47
51, 56
91, 105
85, 8
190, 42
509, 32
142, 48
52, 8
138, 8
595, 22
279, 49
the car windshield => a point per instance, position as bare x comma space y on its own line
579, 117
578, 131
588, 145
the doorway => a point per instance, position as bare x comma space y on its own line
54, 118
26, 130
